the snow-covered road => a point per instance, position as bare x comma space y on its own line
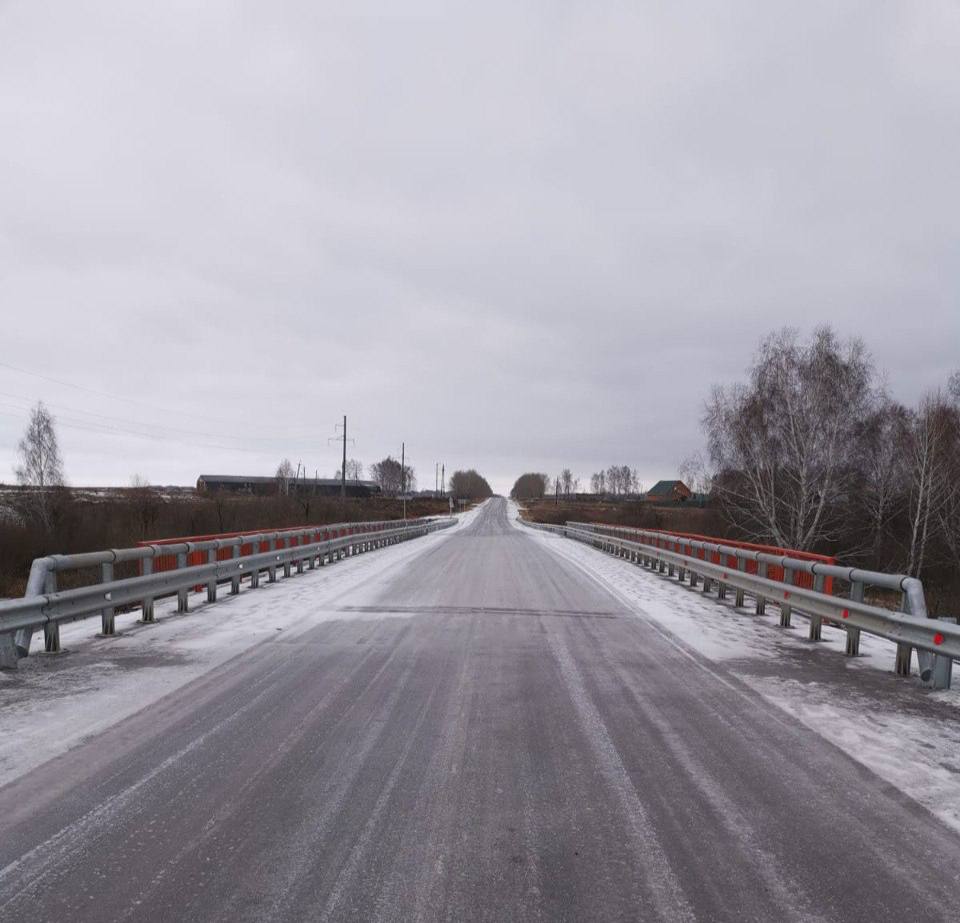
908, 735
485, 724
51, 703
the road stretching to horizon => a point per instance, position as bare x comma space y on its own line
498, 739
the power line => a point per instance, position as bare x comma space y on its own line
106, 430
117, 397
136, 423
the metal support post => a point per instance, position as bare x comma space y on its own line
816, 623
183, 596
106, 614
761, 600
51, 631
853, 633
146, 605
742, 567
212, 582
235, 580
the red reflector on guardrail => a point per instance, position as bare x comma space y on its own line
846, 613
786, 595
938, 638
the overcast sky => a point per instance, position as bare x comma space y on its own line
517, 236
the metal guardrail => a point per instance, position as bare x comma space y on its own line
937, 641
294, 535
664, 538
43, 606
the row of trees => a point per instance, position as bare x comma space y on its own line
618, 480
469, 485
811, 452
387, 474
529, 486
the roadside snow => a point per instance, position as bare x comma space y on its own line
907, 735
52, 702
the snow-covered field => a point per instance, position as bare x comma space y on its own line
51, 703
908, 735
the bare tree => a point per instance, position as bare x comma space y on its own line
390, 476
931, 439
695, 472
354, 470
146, 502
284, 475
41, 467
949, 516
783, 445
877, 489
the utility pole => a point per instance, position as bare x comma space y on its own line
436, 477
443, 479
343, 467
403, 477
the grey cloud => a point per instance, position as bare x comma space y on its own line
516, 235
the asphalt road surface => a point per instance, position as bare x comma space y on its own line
505, 743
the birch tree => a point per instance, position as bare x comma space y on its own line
782, 445
931, 447
40, 467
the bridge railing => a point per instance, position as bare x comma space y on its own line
937, 641
698, 546
43, 606
284, 538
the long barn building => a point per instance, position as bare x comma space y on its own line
261, 486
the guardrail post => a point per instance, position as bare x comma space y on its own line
693, 579
183, 595
785, 608
742, 567
816, 622
235, 581
762, 600
212, 583
272, 569
707, 584
106, 614
904, 651
255, 548
904, 656
146, 604
8, 651
942, 670
51, 630
286, 561
853, 633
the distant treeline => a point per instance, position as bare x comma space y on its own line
469, 485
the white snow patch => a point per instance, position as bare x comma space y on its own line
908, 736
45, 712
